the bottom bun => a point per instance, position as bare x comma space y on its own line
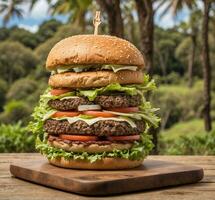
104, 164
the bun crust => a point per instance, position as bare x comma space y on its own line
94, 49
104, 164
94, 79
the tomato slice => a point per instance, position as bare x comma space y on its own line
57, 92
125, 110
99, 114
79, 137
65, 114
124, 138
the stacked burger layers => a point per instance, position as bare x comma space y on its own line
94, 114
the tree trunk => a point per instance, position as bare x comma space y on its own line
115, 23
80, 20
146, 25
131, 27
146, 15
206, 67
191, 61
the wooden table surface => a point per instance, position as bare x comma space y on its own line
12, 188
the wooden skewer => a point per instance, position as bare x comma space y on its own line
96, 22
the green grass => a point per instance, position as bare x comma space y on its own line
190, 129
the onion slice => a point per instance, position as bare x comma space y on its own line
89, 107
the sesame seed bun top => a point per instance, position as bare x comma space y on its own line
94, 49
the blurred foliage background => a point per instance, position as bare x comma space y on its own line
176, 58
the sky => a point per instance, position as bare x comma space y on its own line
33, 19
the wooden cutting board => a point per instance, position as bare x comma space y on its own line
152, 174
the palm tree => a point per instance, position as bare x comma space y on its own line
146, 25
11, 8
206, 66
113, 11
190, 30
177, 5
76, 9
145, 14
128, 16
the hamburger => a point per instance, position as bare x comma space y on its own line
94, 114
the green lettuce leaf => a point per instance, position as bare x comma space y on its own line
132, 89
92, 94
49, 96
147, 85
139, 151
36, 125
146, 113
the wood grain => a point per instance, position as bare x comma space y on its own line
12, 188
152, 174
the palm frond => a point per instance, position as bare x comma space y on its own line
3, 7
32, 4
175, 5
168, 7
18, 13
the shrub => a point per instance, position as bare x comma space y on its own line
21, 89
22, 96
15, 139
15, 111
3, 89
172, 78
178, 103
187, 138
47, 30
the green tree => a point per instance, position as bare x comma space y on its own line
76, 9
47, 30
16, 61
11, 8
23, 36
176, 6
3, 90
165, 42
190, 29
21, 89
15, 111
4, 33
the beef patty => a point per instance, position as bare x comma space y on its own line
68, 104
100, 128
105, 101
118, 101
